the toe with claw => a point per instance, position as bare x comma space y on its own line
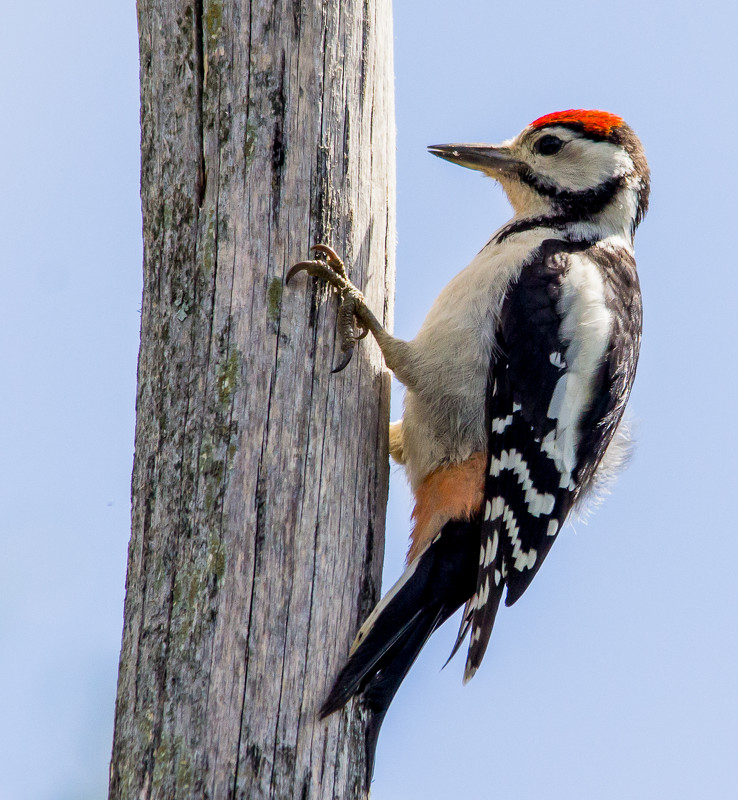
331, 269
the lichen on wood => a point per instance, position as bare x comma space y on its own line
260, 479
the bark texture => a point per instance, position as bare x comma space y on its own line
260, 480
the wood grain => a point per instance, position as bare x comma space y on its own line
260, 479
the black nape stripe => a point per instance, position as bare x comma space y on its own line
554, 221
574, 205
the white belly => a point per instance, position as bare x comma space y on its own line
444, 414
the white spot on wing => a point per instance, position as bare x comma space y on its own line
491, 551
499, 424
550, 446
558, 398
523, 560
483, 594
497, 505
538, 502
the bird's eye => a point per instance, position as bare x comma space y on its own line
548, 145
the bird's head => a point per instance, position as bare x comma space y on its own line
587, 167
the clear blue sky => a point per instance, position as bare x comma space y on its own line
615, 676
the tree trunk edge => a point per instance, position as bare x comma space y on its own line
224, 485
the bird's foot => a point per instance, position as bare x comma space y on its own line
331, 269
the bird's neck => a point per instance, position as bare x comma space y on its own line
617, 218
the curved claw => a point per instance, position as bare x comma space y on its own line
326, 250
330, 268
334, 261
319, 269
299, 267
344, 362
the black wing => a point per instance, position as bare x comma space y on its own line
538, 462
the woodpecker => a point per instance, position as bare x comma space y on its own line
515, 388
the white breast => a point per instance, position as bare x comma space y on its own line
444, 416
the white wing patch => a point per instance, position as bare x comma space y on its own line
586, 326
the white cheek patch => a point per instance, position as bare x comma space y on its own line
582, 163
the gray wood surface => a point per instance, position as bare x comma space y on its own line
260, 479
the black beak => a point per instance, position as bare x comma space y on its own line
493, 159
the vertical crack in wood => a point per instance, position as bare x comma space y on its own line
260, 506
201, 180
211, 356
278, 109
365, 40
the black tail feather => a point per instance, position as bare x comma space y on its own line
381, 689
440, 580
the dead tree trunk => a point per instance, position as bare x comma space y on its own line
260, 479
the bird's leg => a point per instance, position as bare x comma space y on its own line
353, 308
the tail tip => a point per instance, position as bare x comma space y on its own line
469, 672
332, 703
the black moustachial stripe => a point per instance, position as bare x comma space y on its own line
575, 206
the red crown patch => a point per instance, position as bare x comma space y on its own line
600, 123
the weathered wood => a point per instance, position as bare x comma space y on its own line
260, 479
